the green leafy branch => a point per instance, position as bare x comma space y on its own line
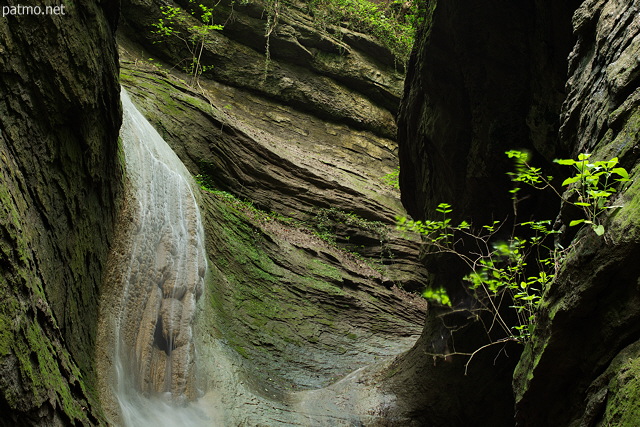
519, 268
593, 184
174, 18
499, 270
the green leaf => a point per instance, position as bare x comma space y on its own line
598, 194
576, 222
582, 204
611, 163
519, 155
621, 172
571, 180
565, 162
599, 229
443, 208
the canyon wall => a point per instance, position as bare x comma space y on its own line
556, 79
59, 182
302, 291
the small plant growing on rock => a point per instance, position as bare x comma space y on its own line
594, 185
199, 25
519, 268
393, 178
392, 22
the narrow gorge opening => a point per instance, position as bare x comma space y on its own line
276, 290
309, 281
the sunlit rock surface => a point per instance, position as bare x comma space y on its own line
285, 311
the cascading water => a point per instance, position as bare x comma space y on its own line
163, 278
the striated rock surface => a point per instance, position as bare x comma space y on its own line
285, 311
319, 176
306, 269
348, 79
298, 162
59, 182
294, 313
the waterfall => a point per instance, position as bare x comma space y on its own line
161, 282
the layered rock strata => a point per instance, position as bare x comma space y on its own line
291, 310
302, 163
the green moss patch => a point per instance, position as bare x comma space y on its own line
623, 397
281, 306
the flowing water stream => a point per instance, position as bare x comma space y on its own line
146, 347
161, 276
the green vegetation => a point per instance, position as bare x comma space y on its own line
29, 335
198, 21
498, 269
393, 23
326, 223
438, 295
393, 178
518, 270
288, 297
593, 184
335, 226
206, 184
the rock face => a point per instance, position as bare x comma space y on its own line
472, 94
308, 70
305, 274
587, 340
294, 314
304, 163
59, 182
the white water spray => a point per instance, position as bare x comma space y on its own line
155, 353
